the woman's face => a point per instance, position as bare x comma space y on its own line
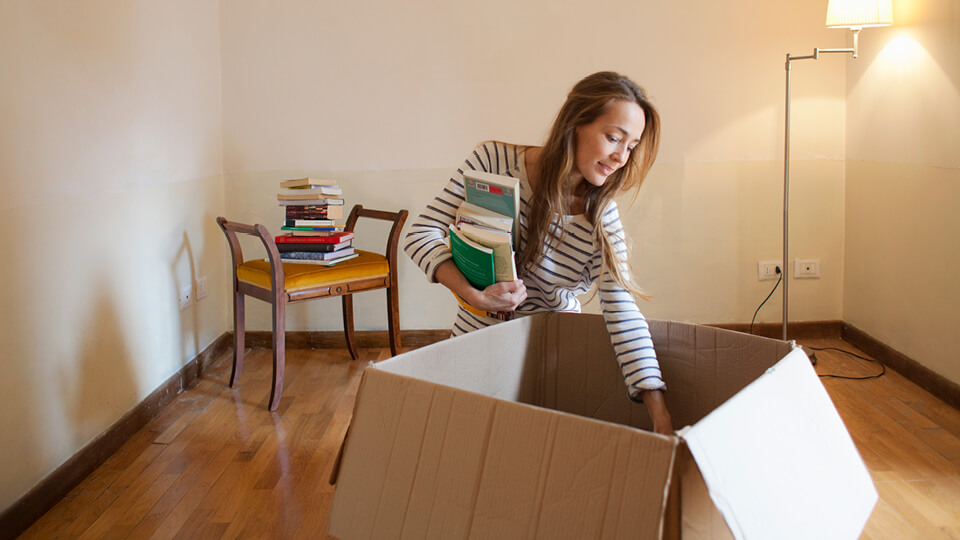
604, 145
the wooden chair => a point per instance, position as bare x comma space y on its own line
281, 283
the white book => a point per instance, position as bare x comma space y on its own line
500, 242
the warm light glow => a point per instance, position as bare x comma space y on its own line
859, 13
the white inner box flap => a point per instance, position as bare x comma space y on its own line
778, 461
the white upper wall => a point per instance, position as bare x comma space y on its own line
387, 85
104, 97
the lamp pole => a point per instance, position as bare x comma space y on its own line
786, 167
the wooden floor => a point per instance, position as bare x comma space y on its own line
216, 464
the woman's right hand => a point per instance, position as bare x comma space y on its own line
503, 296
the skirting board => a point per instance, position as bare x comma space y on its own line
23, 513
795, 330
330, 339
914, 371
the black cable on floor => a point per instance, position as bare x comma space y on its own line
883, 368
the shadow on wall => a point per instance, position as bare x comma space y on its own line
102, 386
189, 326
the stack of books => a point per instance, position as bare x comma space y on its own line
312, 230
483, 236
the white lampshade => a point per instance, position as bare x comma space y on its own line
859, 13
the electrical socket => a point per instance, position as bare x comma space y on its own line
767, 270
201, 288
806, 268
186, 297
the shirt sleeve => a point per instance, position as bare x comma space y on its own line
425, 242
628, 329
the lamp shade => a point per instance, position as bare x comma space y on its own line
859, 13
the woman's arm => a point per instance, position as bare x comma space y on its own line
657, 409
503, 296
630, 334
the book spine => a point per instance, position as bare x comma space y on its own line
317, 255
309, 223
332, 239
310, 246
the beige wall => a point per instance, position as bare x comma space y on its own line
903, 185
110, 160
390, 98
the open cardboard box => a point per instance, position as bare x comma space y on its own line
525, 430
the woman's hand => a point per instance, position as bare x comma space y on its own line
504, 296
657, 409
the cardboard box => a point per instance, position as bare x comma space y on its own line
525, 430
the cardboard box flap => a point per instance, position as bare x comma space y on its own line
778, 461
505, 366
425, 460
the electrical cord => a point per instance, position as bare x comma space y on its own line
883, 368
779, 279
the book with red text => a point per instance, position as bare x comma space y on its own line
330, 239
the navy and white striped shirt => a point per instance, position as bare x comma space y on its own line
565, 272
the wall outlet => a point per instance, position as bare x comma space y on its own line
767, 270
806, 268
201, 288
186, 297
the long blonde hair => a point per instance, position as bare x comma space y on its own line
588, 100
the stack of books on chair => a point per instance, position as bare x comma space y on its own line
313, 232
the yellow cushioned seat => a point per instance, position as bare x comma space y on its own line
301, 276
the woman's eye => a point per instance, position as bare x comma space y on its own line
612, 139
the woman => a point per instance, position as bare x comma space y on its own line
603, 143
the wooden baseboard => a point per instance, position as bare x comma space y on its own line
330, 339
914, 371
23, 513
795, 330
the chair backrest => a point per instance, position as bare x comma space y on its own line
393, 239
231, 228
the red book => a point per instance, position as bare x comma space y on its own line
330, 239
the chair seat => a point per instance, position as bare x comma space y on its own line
303, 276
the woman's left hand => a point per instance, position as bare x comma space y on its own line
657, 409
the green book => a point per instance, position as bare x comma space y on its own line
473, 260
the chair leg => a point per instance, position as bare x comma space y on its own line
279, 352
238, 337
393, 320
348, 326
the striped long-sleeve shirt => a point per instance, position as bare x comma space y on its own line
565, 272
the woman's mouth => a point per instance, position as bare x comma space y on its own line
607, 171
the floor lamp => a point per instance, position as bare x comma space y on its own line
852, 14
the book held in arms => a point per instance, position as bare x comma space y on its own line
311, 231
495, 192
483, 236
